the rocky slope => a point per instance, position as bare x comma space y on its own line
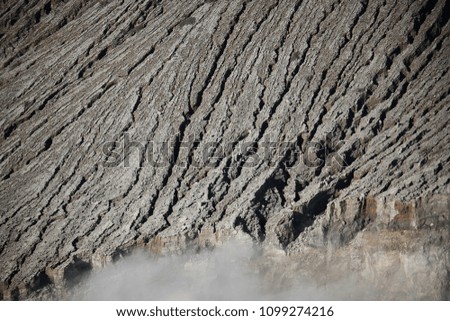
319, 128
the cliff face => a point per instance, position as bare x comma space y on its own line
318, 128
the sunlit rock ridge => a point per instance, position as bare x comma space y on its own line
316, 130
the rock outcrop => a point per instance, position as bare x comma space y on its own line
321, 129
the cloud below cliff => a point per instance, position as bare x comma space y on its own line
235, 271
225, 273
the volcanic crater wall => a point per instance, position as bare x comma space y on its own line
324, 123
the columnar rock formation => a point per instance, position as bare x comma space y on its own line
306, 125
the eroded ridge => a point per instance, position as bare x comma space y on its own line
365, 82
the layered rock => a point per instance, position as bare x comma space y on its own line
176, 124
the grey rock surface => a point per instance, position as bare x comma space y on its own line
326, 123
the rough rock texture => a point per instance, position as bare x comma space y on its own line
360, 90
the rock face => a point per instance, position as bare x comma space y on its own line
320, 128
